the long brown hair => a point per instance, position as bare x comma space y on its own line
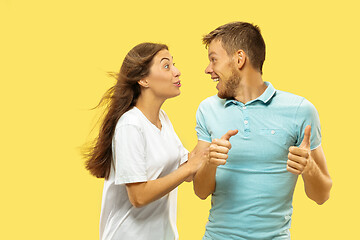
117, 100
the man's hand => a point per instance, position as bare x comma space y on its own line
220, 147
299, 157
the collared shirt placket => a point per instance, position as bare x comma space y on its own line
246, 121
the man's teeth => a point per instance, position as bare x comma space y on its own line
216, 79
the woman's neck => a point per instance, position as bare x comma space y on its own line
150, 107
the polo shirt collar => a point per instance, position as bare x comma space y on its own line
268, 94
265, 97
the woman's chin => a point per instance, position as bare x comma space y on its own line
177, 94
172, 95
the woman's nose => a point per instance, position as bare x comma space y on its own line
177, 72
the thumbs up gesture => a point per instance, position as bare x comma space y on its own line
299, 157
220, 147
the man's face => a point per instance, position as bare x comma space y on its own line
222, 69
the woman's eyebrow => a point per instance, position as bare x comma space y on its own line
165, 58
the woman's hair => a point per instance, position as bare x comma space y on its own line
118, 100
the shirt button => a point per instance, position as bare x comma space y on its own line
272, 132
246, 122
244, 107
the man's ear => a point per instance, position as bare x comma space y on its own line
144, 83
240, 58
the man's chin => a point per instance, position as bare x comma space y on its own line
222, 95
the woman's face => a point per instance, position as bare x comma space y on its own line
163, 79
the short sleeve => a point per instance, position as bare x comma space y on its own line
201, 130
182, 150
129, 155
308, 115
184, 153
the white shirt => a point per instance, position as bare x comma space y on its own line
141, 152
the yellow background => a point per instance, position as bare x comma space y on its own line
54, 56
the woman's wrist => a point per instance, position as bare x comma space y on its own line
191, 169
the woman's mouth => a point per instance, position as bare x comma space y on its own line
178, 84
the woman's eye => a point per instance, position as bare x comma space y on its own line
166, 66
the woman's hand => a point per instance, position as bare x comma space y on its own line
196, 158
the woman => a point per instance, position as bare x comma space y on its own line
138, 152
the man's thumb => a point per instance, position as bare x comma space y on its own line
307, 134
229, 134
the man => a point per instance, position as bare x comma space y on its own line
276, 137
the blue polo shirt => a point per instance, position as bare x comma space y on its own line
254, 191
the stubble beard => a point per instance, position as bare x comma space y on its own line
230, 87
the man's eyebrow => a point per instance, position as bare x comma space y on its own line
211, 53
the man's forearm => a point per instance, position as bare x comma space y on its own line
204, 180
317, 184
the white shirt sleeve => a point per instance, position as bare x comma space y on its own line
129, 155
183, 151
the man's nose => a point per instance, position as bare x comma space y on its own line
208, 69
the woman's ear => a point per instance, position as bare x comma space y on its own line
144, 83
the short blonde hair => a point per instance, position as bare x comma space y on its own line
240, 35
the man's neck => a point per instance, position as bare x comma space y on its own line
251, 87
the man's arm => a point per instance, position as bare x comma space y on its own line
204, 180
316, 177
311, 164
